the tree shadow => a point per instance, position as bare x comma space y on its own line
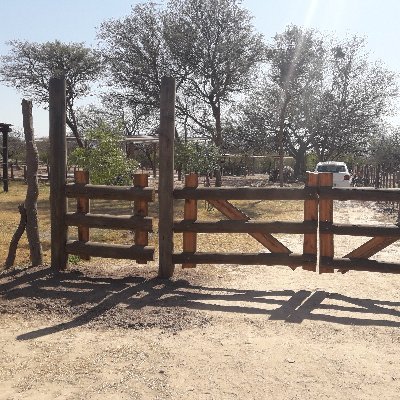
92, 297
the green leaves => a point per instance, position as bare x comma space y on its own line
201, 158
104, 158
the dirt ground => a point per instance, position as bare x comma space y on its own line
110, 330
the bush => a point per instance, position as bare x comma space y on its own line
104, 158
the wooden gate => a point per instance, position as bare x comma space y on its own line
381, 236
317, 226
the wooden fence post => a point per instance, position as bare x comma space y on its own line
190, 214
326, 244
166, 177
58, 167
82, 206
141, 208
5, 130
311, 214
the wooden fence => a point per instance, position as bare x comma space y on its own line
378, 176
61, 219
317, 226
318, 223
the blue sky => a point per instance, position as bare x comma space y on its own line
78, 20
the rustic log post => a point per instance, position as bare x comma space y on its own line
58, 168
311, 214
326, 244
377, 176
5, 129
32, 193
83, 206
141, 208
154, 160
190, 214
12, 250
12, 171
166, 177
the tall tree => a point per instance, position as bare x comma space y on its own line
29, 67
321, 95
296, 65
358, 94
209, 46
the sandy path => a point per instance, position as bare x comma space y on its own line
220, 332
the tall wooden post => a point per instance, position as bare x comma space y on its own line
5, 129
58, 167
311, 214
83, 207
326, 244
166, 177
190, 214
141, 209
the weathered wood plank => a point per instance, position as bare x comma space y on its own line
310, 239
359, 194
360, 230
166, 179
190, 215
128, 193
372, 247
267, 240
362, 265
244, 258
141, 209
58, 163
243, 226
82, 206
326, 244
107, 221
106, 250
245, 193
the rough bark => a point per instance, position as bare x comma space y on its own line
32, 193
12, 251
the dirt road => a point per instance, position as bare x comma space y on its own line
113, 331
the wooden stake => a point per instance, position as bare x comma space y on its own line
141, 209
166, 178
58, 168
311, 214
190, 214
326, 244
83, 207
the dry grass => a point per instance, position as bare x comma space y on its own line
9, 219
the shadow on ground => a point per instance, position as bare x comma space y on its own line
138, 303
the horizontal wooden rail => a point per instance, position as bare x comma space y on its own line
245, 193
360, 230
361, 265
235, 226
128, 193
96, 249
245, 259
106, 221
359, 194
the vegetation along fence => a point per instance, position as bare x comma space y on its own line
317, 226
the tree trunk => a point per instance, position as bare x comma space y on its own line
12, 250
282, 115
218, 138
300, 160
32, 193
